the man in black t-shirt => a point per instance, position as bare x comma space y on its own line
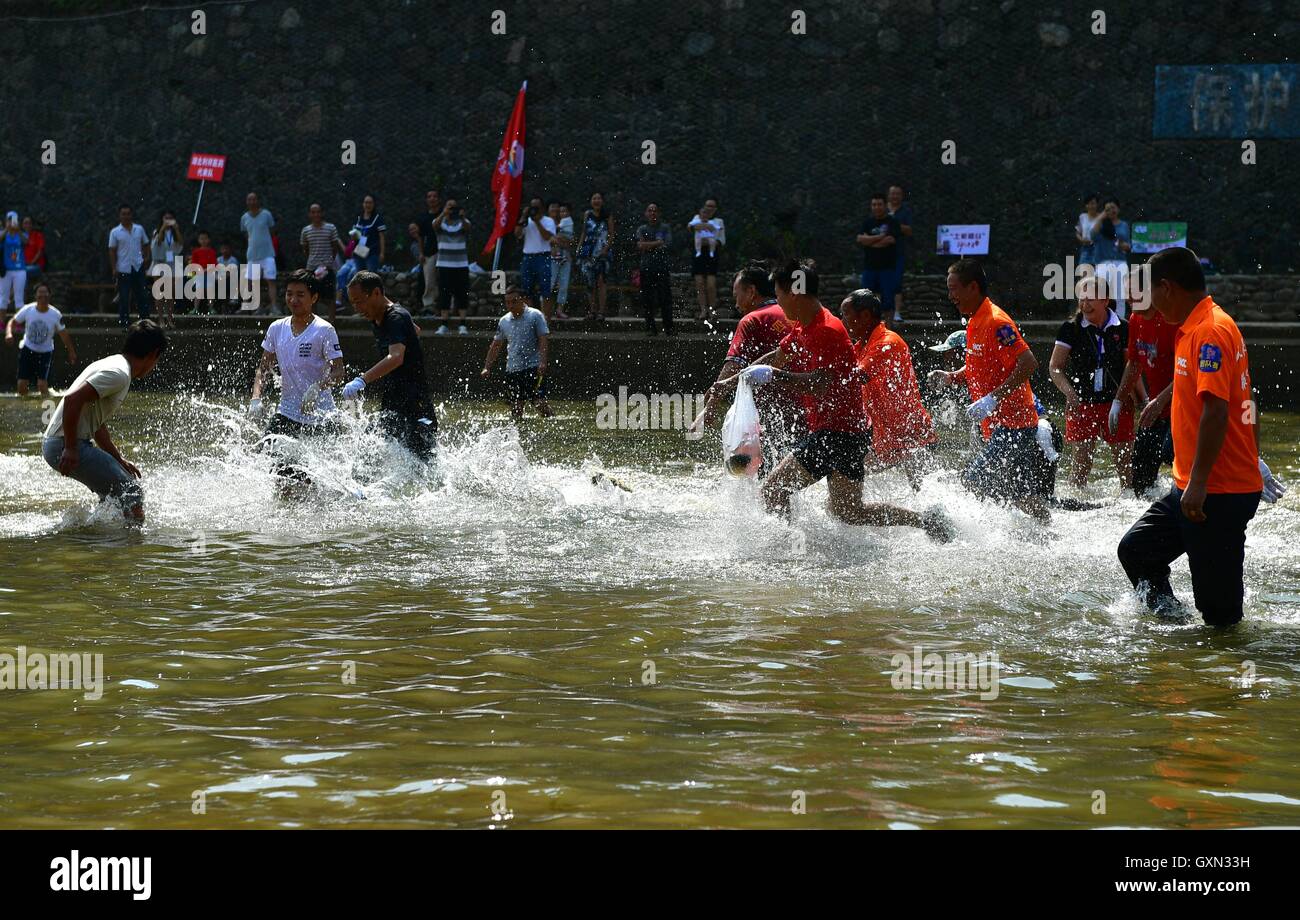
879, 240
1087, 366
407, 413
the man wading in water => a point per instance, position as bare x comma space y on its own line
407, 414
307, 350
83, 414
816, 361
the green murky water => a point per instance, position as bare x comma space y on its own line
507, 643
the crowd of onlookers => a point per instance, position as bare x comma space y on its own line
1104, 243
557, 244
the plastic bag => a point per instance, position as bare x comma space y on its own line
742, 452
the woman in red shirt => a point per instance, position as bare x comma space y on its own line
33, 250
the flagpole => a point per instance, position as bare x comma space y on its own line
195, 221
496, 255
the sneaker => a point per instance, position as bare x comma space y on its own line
937, 525
441, 330
462, 330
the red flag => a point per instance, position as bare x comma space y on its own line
508, 176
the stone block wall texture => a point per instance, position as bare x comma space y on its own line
791, 132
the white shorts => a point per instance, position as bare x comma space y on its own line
263, 268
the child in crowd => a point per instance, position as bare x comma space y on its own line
709, 234
231, 273
203, 257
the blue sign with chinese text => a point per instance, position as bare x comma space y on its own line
1226, 100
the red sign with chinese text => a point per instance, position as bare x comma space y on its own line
207, 166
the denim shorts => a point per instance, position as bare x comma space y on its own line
97, 471
535, 269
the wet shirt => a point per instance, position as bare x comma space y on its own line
304, 359
109, 377
758, 333
522, 336
405, 390
1092, 350
823, 345
993, 346
1210, 358
891, 395
39, 327
1151, 346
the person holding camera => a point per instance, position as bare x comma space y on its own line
452, 230
536, 229
165, 245
1111, 243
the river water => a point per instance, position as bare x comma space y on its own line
507, 642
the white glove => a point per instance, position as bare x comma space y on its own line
1043, 435
1273, 489
1112, 420
310, 397
255, 406
758, 374
353, 389
982, 408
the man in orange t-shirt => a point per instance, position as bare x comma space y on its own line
901, 428
1012, 466
1219, 477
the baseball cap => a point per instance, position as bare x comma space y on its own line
956, 340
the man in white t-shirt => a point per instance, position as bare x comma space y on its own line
128, 253
306, 348
526, 336
40, 322
259, 261
536, 230
83, 414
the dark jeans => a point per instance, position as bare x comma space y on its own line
1216, 553
657, 292
453, 284
1151, 447
128, 284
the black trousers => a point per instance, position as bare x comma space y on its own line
416, 431
656, 293
1151, 447
1216, 553
453, 284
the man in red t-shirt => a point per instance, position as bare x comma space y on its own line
762, 327
1150, 372
1012, 466
901, 429
815, 360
